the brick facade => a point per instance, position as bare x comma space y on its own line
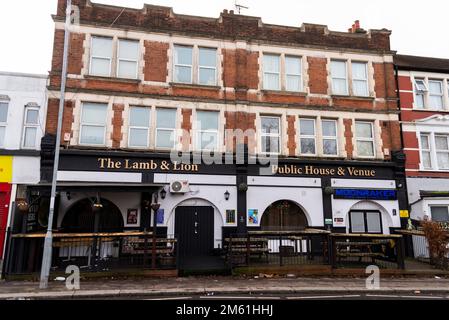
156, 60
117, 124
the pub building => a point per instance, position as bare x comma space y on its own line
320, 105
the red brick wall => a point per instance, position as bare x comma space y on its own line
75, 53
348, 136
117, 123
156, 61
385, 82
391, 136
240, 69
291, 132
52, 117
317, 75
245, 122
186, 126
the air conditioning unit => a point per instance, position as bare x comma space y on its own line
181, 186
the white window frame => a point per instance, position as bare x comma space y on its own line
157, 129
287, 74
28, 125
339, 78
82, 125
206, 67
330, 137
127, 60
438, 206
363, 139
271, 135
366, 80
199, 132
278, 55
100, 57
4, 124
422, 150
437, 151
308, 137
148, 128
418, 92
192, 80
440, 95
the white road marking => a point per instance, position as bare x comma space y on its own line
323, 297
177, 298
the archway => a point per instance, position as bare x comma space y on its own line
284, 215
81, 217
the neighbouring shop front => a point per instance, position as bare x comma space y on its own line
200, 206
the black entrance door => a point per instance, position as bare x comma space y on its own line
194, 227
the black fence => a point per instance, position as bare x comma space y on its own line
92, 252
277, 248
362, 250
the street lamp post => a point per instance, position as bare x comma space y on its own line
46, 259
155, 206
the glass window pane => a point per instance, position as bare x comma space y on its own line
360, 88
436, 87
271, 63
100, 67
92, 135
339, 86
308, 146
425, 142
329, 128
127, 69
208, 140
338, 69
420, 85
271, 81
183, 55
436, 102
207, 77
2, 136
139, 117
183, 74
359, 71
270, 144
294, 83
138, 137
307, 127
365, 149
330, 147
3, 112
207, 120
208, 57
270, 125
440, 214
357, 222
32, 116
363, 130
165, 139
419, 101
30, 137
441, 143
443, 160
94, 113
373, 222
128, 50
293, 65
426, 160
166, 118
102, 47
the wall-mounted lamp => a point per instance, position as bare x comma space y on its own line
227, 195
68, 195
163, 194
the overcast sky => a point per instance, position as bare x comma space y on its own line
419, 27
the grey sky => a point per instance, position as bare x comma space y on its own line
419, 28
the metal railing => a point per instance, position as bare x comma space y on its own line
93, 252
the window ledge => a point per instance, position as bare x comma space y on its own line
284, 92
431, 110
434, 171
193, 86
112, 79
362, 98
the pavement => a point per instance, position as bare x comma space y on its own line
175, 287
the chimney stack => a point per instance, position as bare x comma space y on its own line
355, 27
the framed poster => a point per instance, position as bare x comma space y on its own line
131, 217
253, 216
160, 216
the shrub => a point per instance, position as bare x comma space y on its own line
438, 240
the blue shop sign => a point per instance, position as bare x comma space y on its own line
365, 194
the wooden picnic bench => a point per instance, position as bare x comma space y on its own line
241, 249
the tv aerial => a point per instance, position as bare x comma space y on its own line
239, 7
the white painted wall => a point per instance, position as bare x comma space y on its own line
26, 170
22, 89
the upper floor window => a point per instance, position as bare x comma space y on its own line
442, 151
31, 126
3, 122
103, 57
270, 134
436, 94
339, 77
139, 127
165, 128
277, 78
434, 149
360, 79
365, 139
430, 93
307, 138
185, 66
426, 157
207, 130
330, 145
420, 92
93, 124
